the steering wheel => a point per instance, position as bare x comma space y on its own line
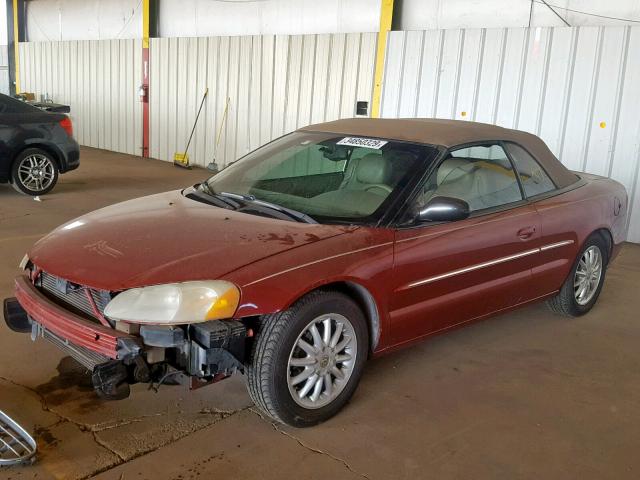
381, 186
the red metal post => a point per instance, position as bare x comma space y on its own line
144, 97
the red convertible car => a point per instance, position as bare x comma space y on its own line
300, 261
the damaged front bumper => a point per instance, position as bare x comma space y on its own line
204, 352
73, 328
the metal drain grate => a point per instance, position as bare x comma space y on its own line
16, 445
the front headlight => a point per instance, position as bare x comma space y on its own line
175, 303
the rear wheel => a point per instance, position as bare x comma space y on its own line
34, 172
307, 361
582, 287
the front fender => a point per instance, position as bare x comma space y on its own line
364, 260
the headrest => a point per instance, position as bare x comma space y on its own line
373, 169
452, 169
399, 156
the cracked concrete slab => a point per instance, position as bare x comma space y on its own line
523, 395
243, 446
135, 438
16, 402
291, 434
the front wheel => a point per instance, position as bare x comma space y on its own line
307, 361
34, 172
581, 289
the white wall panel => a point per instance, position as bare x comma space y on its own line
4, 68
59, 20
578, 88
98, 80
274, 84
445, 14
201, 18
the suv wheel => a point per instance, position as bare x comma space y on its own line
307, 361
34, 172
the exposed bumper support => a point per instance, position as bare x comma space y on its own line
88, 358
208, 351
71, 327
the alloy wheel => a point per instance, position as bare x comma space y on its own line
587, 276
36, 172
322, 360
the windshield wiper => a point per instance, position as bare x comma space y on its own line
206, 189
296, 215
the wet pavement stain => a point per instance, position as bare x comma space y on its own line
73, 382
44, 437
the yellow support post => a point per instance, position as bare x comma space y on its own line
16, 49
145, 23
386, 17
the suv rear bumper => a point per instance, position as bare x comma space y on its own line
71, 327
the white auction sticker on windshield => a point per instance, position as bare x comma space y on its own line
363, 142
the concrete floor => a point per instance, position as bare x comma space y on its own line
522, 395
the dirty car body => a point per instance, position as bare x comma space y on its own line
360, 236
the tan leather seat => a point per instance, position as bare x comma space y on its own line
477, 183
364, 188
372, 169
453, 169
453, 179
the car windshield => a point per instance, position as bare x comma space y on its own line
323, 175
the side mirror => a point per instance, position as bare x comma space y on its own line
443, 209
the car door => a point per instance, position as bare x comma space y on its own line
558, 240
449, 273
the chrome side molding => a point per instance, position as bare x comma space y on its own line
556, 245
490, 263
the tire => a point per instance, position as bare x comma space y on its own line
277, 345
34, 172
568, 301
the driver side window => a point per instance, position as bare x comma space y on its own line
481, 175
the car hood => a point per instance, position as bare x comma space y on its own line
166, 238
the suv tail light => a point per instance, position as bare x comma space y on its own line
67, 125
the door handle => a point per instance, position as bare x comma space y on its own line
526, 232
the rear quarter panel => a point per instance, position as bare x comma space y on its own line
19, 131
600, 204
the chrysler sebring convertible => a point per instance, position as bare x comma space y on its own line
330, 245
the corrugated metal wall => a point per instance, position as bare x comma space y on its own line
274, 84
99, 79
577, 88
4, 69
